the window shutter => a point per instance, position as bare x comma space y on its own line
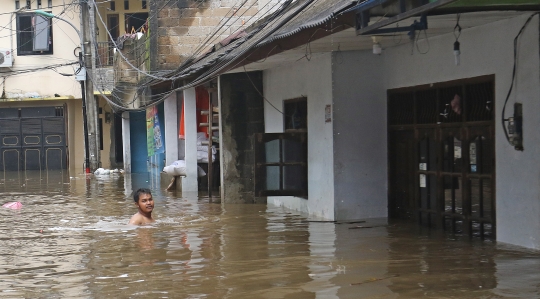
281, 164
41, 33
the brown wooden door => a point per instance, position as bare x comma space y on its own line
401, 202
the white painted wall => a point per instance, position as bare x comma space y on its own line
353, 171
126, 141
171, 129
311, 79
189, 183
488, 50
360, 145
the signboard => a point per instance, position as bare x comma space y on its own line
153, 132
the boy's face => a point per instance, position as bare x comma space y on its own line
145, 203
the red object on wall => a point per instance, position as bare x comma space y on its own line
181, 128
203, 103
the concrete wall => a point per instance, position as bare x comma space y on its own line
488, 50
242, 116
360, 146
311, 79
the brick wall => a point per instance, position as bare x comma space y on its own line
184, 25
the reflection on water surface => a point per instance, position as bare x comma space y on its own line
70, 240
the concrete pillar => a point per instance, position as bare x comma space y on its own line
171, 129
126, 140
220, 152
189, 183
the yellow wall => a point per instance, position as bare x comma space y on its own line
65, 40
135, 6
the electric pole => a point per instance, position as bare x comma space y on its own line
91, 103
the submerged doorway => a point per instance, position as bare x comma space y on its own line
441, 155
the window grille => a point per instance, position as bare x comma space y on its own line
401, 109
426, 106
468, 100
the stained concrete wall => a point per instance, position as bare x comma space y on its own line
360, 147
242, 116
313, 80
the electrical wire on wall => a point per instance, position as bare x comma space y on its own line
516, 40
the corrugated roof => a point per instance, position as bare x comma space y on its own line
318, 13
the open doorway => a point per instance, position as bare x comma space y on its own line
135, 21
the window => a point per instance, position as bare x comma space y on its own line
49, 3
39, 4
112, 5
143, 4
281, 164
126, 4
34, 35
17, 4
295, 114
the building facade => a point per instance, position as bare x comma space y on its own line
40, 106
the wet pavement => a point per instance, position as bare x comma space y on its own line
70, 240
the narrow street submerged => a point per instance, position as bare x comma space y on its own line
70, 240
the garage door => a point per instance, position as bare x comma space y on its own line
32, 139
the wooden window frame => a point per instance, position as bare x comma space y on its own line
260, 164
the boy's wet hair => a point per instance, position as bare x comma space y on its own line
139, 192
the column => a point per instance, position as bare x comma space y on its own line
171, 129
189, 183
126, 136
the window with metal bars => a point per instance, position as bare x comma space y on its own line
466, 100
34, 34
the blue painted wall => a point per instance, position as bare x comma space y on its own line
139, 151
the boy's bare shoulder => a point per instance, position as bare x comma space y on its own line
136, 219
139, 219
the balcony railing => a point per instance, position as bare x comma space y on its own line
133, 60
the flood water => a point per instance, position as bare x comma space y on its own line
70, 240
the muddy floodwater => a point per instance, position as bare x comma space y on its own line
70, 240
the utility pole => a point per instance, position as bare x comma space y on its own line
91, 103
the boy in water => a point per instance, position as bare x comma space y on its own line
145, 203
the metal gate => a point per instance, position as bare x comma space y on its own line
441, 155
32, 139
